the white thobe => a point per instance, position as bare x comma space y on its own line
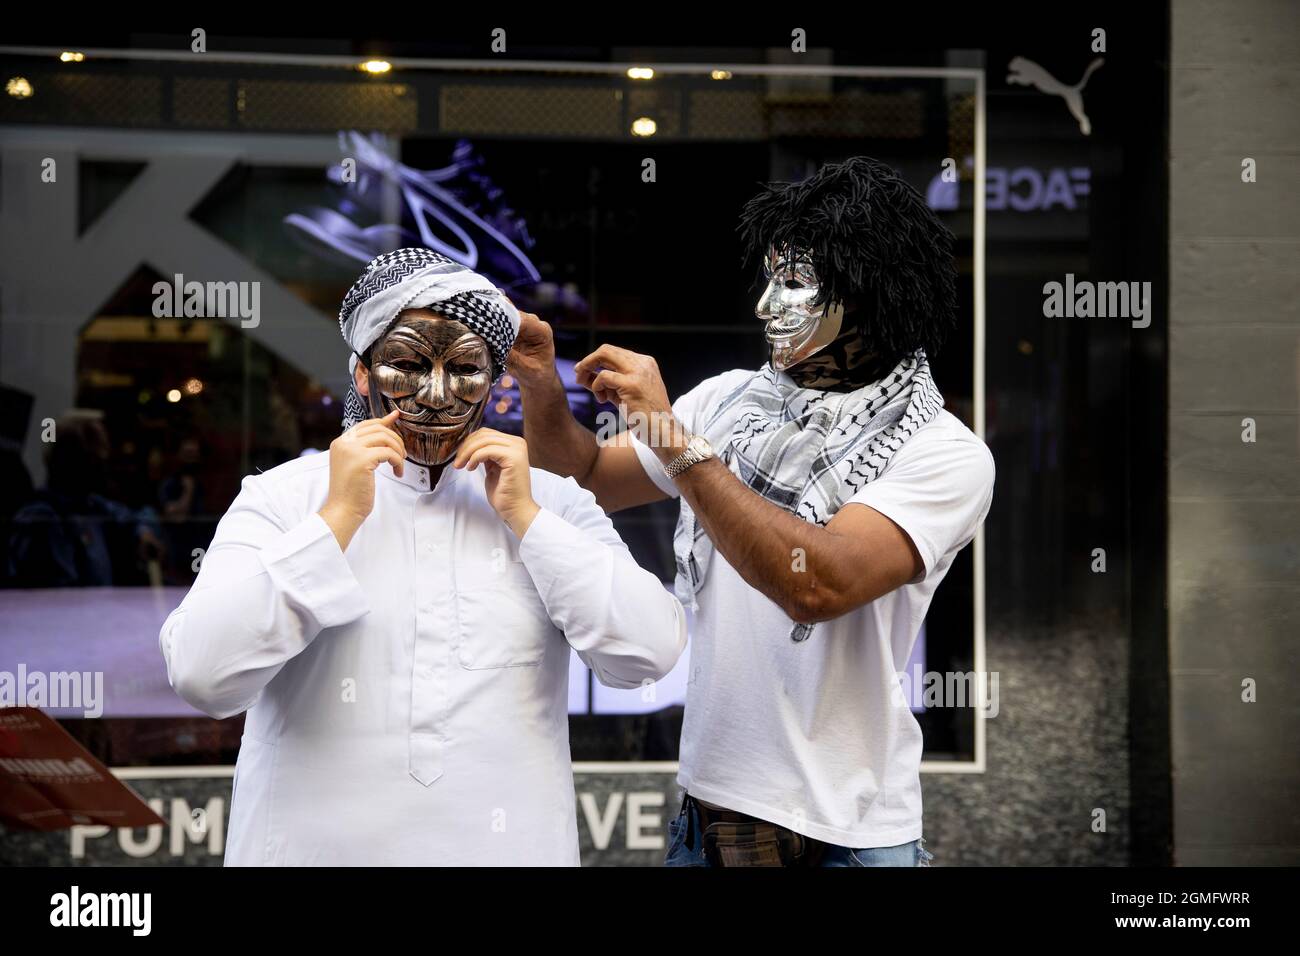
406, 698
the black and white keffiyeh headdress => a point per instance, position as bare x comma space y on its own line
805, 450
419, 279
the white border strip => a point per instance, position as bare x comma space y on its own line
579, 767
171, 773
217, 770
978, 387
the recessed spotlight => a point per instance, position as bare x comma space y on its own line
18, 87
640, 73
376, 66
644, 126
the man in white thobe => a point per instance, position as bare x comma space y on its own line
396, 616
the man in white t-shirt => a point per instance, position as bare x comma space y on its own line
823, 499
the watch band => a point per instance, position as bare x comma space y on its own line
697, 450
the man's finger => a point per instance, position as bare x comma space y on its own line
470, 442
467, 449
382, 436
488, 452
501, 454
382, 453
373, 426
478, 437
609, 356
372, 423
464, 453
608, 383
467, 446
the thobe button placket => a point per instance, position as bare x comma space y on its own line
434, 623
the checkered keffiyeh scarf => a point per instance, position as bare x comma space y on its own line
806, 450
417, 279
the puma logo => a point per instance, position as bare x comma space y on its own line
1028, 73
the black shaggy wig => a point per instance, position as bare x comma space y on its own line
877, 247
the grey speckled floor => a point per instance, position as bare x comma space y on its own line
1057, 750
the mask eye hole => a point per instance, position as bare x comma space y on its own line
404, 365
463, 368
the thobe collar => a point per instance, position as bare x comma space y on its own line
416, 476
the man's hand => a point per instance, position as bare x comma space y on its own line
632, 381
532, 358
354, 456
505, 459
625, 378
559, 443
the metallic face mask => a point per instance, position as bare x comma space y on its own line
796, 329
439, 374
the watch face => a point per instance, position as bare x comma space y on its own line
697, 450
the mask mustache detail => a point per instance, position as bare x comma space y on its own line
425, 418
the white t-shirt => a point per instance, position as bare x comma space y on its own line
815, 736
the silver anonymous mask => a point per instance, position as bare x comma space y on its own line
796, 329
439, 374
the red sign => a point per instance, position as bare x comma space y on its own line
48, 781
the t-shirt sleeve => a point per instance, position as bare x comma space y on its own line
938, 490
686, 409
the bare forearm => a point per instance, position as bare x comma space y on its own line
556, 441
780, 555
813, 573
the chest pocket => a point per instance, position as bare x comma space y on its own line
501, 620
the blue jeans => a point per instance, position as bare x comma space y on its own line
905, 854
